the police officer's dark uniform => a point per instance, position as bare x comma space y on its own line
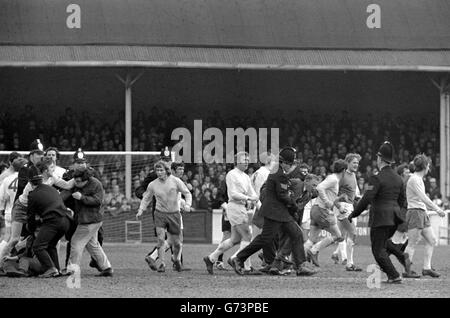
44, 201
302, 196
385, 195
22, 178
277, 209
79, 157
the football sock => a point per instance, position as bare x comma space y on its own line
342, 247
154, 253
410, 250
308, 244
224, 246
349, 251
322, 244
428, 253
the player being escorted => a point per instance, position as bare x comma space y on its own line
166, 191
417, 218
322, 215
241, 200
278, 208
348, 186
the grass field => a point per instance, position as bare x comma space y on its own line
132, 278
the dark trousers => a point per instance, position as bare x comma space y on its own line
379, 237
69, 234
265, 241
44, 246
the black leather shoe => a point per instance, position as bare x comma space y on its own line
106, 273
209, 265
230, 262
397, 280
50, 273
430, 272
252, 272
411, 274
177, 266
151, 263
265, 269
305, 270
238, 266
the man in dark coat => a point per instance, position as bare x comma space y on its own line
385, 195
45, 202
277, 209
79, 161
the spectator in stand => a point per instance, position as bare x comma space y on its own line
205, 201
114, 198
196, 196
433, 190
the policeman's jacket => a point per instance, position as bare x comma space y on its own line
385, 196
278, 205
45, 202
143, 187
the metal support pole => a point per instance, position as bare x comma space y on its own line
128, 119
128, 82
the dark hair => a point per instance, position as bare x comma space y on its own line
401, 168
82, 173
35, 173
43, 165
304, 166
18, 163
176, 165
53, 149
338, 166
311, 176
420, 162
14, 155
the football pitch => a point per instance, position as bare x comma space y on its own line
133, 278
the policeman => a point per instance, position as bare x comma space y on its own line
385, 196
36, 154
44, 201
278, 209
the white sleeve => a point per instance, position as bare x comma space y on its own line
324, 185
258, 182
66, 185
233, 188
420, 192
3, 196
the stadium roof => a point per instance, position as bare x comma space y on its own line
290, 34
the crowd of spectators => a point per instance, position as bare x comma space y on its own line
320, 138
